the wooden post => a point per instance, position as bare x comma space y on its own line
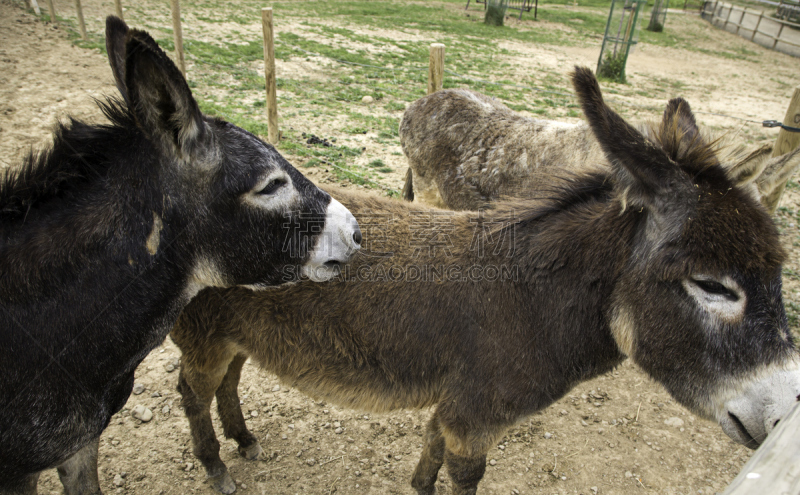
178, 34
436, 68
741, 20
35, 7
774, 466
729, 16
118, 5
52, 11
82, 24
774, 43
786, 142
758, 23
269, 74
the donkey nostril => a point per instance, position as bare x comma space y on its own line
775, 423
357, 236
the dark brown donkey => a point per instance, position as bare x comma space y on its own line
659, 257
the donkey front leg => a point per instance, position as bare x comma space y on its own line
197, 389
230, 411
424, 479
78, 474
465, 471
465, 449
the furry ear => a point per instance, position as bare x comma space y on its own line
160, 98
773, 179
116, 35
750, 167
645, 176
678, 127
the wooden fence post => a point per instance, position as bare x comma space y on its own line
778, 36
741, 20
118, 5
758, 23
436, 68
269, 74
786, 142
773, 467
52, 11
730, 11
178, 34
82, 24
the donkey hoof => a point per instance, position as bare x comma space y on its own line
223, 483
252, 452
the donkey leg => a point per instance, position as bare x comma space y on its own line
197, 389
25, 487
424, 479
466, 472
466, 448
230, 411
78, 474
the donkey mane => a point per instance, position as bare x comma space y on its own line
61, 170
562, 193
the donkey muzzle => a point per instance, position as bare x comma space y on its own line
753, 414
336, 244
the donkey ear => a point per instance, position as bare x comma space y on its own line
678, 126
646, 177
748, 168
777, 171
160, 98
116, 34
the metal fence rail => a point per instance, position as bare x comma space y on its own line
521, 5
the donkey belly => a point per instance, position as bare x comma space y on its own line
367, 388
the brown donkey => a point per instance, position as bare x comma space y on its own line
659, 257
466, 149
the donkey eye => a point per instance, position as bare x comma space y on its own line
716, 288
272, 186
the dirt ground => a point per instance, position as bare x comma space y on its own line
618, 434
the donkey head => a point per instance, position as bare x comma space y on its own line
698, 302
240, 213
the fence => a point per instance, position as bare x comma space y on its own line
789, 11
775, 467
521, 5
782, 36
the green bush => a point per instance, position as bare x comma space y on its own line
495, 12
613, 67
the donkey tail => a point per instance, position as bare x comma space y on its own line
408, 188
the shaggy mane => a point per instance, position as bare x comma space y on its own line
564, 193
80, 154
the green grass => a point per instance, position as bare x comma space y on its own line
361, 49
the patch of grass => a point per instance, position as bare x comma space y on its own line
793, 315
613, 67
394, 106
355, 130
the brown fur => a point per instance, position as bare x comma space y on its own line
594, 281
